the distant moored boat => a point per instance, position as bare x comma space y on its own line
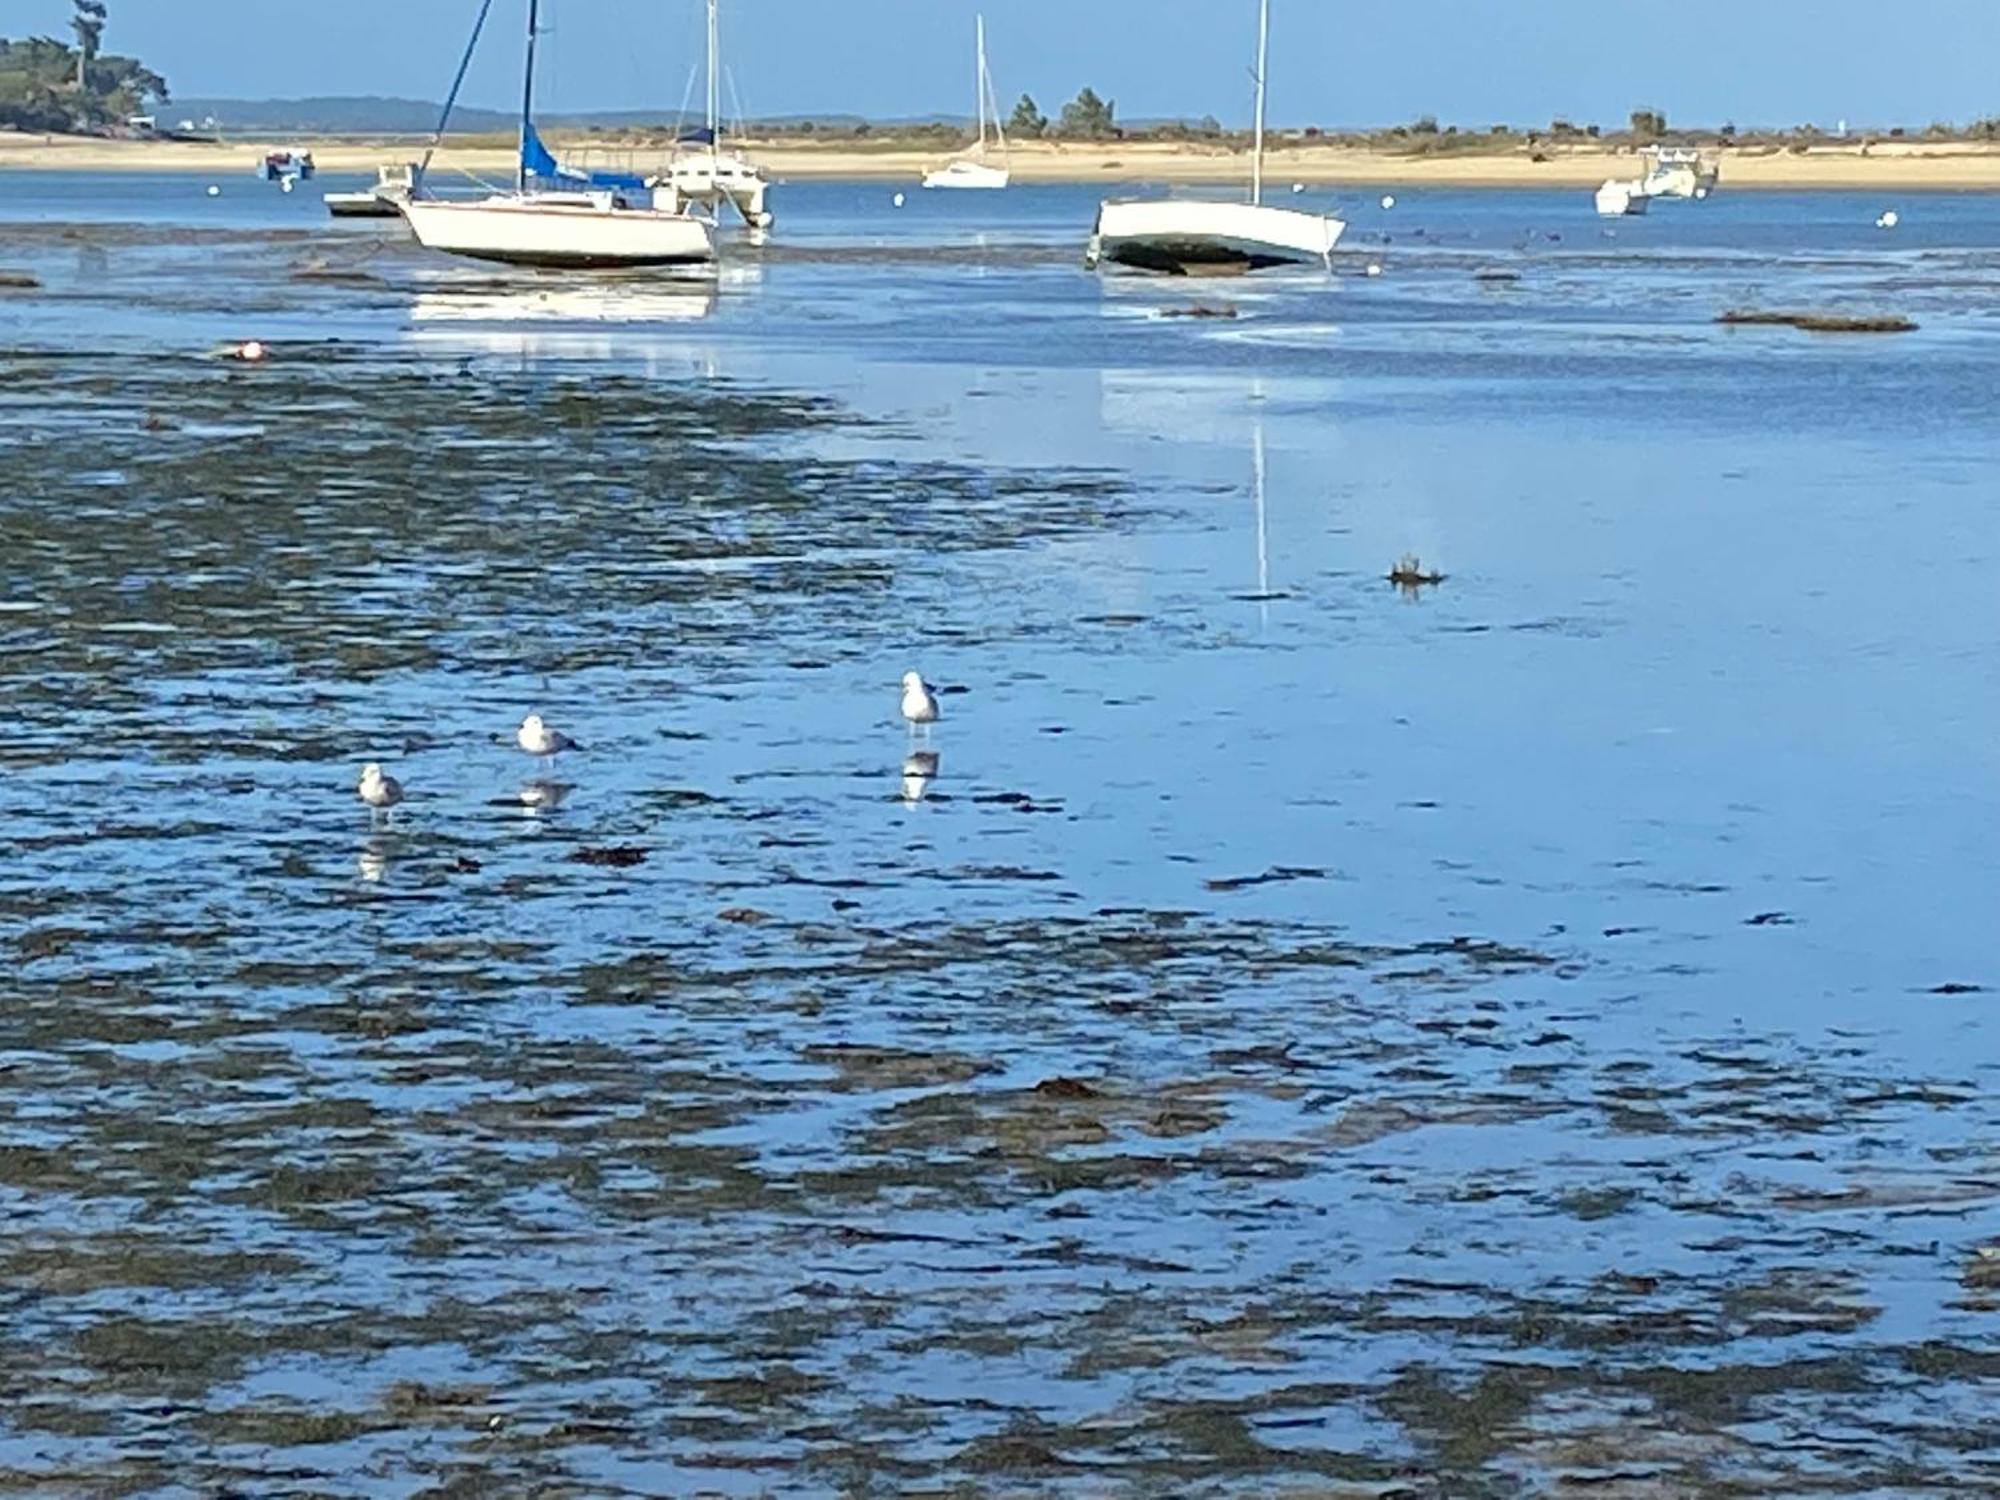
973, 170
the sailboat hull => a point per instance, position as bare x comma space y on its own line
1178, 236
968, 174
560, 230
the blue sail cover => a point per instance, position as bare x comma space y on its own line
700, 135
538, 164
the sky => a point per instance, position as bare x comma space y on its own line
1333, 62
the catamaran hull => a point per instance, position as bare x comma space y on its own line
1181, 237
522, 232
730, 179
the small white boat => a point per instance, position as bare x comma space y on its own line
703, 171
1678, 172
385, 200
286, 166
967, 173
558, 215
1621, 196
973, 170
1183, 236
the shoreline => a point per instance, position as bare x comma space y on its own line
1908, 166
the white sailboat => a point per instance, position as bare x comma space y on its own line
703, 172
973, 170
557, 215
1184, 235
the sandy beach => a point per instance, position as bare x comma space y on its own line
1900, 165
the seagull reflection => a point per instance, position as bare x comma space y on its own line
372, 863
920, 768
542, 795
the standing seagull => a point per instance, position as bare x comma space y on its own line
380, 792
537, 738
920, 705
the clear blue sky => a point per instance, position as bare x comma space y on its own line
1335, 62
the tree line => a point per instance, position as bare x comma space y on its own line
48, 85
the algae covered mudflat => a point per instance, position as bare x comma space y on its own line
1288, 1037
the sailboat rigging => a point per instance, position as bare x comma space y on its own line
974, 170
560, 215
1184, 235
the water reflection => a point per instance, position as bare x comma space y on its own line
371, 863
541, 795
612, 300
920, 769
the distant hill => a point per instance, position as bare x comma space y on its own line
332, 116
380, 116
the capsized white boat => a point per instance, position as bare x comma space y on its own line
558, 215
704, 171
1620, 196
1183, 236
973, 170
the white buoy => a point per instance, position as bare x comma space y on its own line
214, 191
251, 352
288, 184
1374, 268
1298, 187
1889, 220
1388, 200
898, 200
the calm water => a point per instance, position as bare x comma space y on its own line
1530, 1037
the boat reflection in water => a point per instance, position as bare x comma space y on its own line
561, 319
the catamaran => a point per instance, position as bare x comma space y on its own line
973, 170
702, 172
1184, 235
558, 215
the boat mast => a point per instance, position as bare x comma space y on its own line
1263, 58
979, 81
714, 96
528, 96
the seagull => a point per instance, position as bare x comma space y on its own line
380, 792
920, 705
537, 738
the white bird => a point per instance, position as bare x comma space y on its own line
1388, 200
920, 705
535, 737
897, 200
380, 792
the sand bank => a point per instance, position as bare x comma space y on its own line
1904, 165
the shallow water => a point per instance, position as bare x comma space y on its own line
1531, 1036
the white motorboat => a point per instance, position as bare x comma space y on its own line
1679, 172
1621, 196
974, 170
703, 171
1183, 236
385, 200
559, 215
